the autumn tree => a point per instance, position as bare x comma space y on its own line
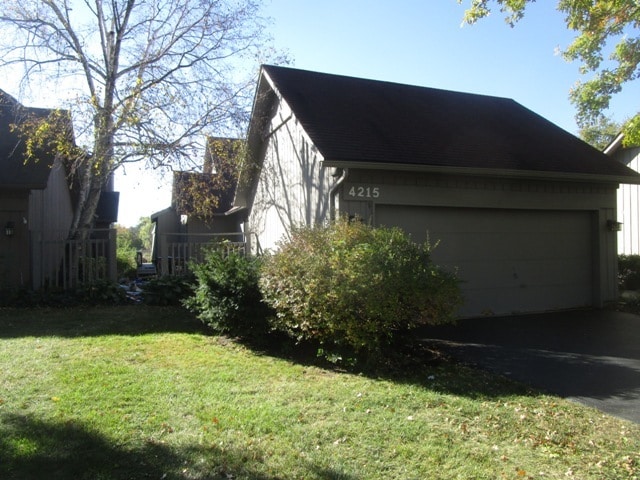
147, 80
204, 194
607, 44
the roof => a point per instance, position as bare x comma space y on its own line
14, 173
107, 208
358, 121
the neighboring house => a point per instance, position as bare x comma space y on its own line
523, 211
628, 198
200, 208
36, 207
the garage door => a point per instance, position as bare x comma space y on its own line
510, 261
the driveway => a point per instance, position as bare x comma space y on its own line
592, 357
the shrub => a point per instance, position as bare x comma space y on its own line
125, 256
351, 287
168, 290
227, 297
101, 292
629, 272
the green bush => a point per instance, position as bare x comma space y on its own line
355, 289
227, 297
168, 290
101, 292
629, 272
125, 257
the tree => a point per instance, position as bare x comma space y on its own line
149, 78
202, 195
600, 134
607, 44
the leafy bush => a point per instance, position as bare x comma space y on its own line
227, 297
125, 256
351, 287
168, 290
629, 272
102, 292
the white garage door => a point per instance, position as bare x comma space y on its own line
510, 261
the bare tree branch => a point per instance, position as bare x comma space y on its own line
151, 78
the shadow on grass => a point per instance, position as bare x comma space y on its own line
97, 321
414, 363
425, 367
33, 449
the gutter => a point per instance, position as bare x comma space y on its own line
632, 179
613, 146
333, 193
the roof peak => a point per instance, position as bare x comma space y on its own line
346, 77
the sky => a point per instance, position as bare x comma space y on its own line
416, 42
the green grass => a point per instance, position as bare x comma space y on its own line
140, 392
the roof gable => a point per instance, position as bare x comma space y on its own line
14, 172
353, 120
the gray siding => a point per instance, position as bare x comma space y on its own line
14, 251
293, 188
629, 205
50, 216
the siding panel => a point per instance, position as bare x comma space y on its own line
293, 189
629, 206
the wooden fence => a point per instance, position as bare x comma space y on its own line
175, 251
67, 264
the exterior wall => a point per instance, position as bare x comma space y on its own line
293, 188
50, 216
14, 250
219, 224
364, 190
166, 222
629, 205
175, 242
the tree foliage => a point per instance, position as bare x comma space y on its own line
130, 240
204, 194
147, 79
601, 133
607, 44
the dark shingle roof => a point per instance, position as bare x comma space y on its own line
357, 120
14, 173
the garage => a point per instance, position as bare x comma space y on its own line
522, 210
509, 260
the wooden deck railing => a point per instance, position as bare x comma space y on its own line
177, 250
70, 263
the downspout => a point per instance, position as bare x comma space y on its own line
333, 193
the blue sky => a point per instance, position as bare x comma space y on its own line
418, 42
422, 42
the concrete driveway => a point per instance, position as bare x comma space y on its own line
592, 357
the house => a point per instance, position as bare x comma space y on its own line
523, 211
628, 198
200, 208
36, 207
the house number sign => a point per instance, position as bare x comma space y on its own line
362, 192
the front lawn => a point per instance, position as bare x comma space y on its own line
141, 392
